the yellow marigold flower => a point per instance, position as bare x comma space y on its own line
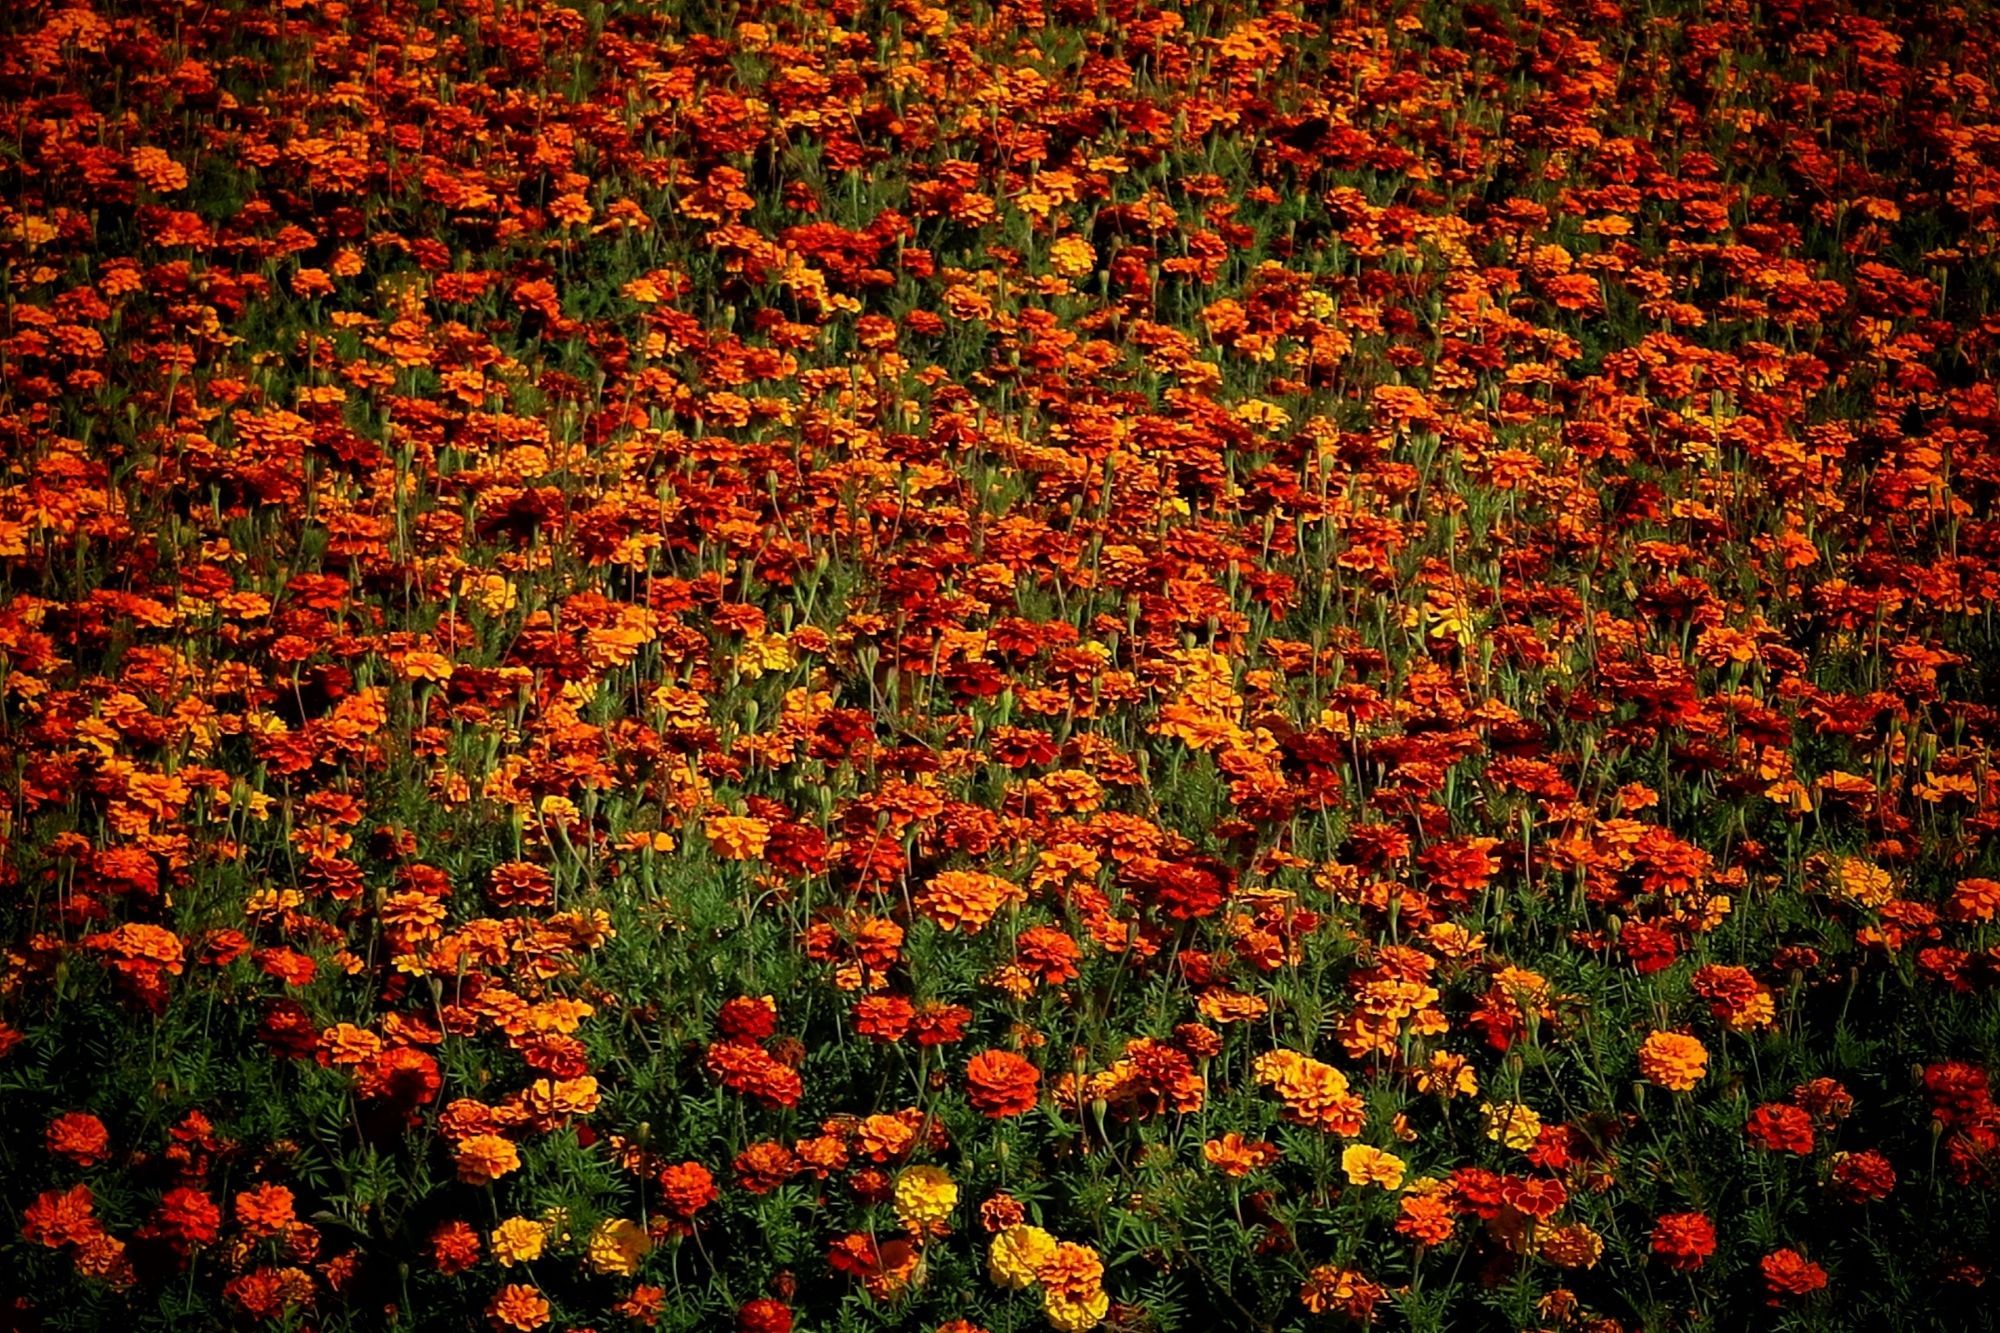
518, 1241
1673, 1060
1017, 1255
925, 1197
1074, 1316
1371, 1166
617, 1246
1860, 882
1512, 1123
1448, 1075
1072, 257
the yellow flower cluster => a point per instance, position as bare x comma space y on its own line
1071, 1275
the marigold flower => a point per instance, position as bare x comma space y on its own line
1313, 1093
1861, 1177
686, 1188
1424, 1213
617, 1246
1684, 1240
1781, 1128
1366, 1165
1512, 1123
1235, 1156
1330, 1287
885, 1269
1571, 1246
518, 1240
265, 1210
1072, 1278
1789, 1273
736, 837
60, 1217
925, 1196
186, 1218
763, 1167
519, 1307
80, 1137
484, 1158
454, 1247
967, 899
1973, 900
764, 1315
1673, 1060
161, 173
1017, 1255
1072, 257
1001, 1084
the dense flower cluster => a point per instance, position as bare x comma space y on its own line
1007, 664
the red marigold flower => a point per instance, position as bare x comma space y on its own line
1001, 1084
936, 1024
1861, 1177
1538, 1197
185, 1219
80, 1137
747, 1018
764, 1315
1684, 1240
1789, 1273
454, 1247
1959, 1094
401, 1074
1780, 1128
61, 1217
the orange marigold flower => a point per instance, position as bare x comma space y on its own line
967, 899
160, 173
1235, 1156
736, 837
1329, 1287
185, 1219
264, 1211
686, 1188
1314, 1093
1424, 1214
1673, 1060
484, 1158
1001, 1084
454, 1247
518, 1306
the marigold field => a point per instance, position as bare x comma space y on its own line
841, 665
